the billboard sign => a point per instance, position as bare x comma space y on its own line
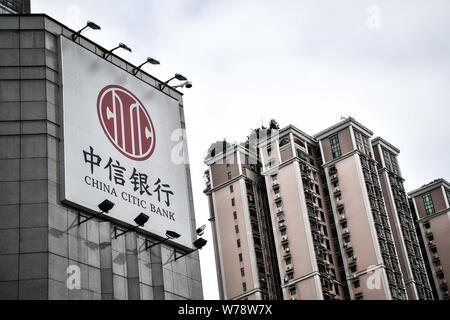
117, 144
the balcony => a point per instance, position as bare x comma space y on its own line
277, 197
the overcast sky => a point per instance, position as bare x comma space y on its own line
305, 63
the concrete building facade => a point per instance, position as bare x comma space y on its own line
431, 211
41, 242
14, 6
334, 231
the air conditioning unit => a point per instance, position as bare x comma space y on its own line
286, 279
346, 230
274, 183
284, 238
334, 176
435, 256
353, 258
292, 298
287, 250
444, 282
344, 245
337, 190
280, 209
289, 268
281, 225
277, 196
428, 232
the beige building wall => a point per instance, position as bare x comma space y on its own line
435, 229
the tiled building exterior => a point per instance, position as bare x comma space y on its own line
14, 6
335, 231
39, 236
431, 206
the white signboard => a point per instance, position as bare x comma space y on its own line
117, 145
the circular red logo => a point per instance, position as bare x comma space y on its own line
126, 122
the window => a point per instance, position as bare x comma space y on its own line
288, 261
317, 189
238, 242
233, 202
240, 257
428, 202
244, 286
394, 164
243, 273
387, 160
274, 177
448, 195
366, 145
292, 291
229, 176
335, 147
322, 215
235, 215
356, 284
336, 288
269, 150
231, 189
236, 228
358, 141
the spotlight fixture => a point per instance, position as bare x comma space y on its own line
177, 76
201, 230
121, 46
140, 220
169, 236
89, 24
149, 60
186, 84
198, 244
104, 207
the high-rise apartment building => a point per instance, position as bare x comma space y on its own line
431, 206
403, 227
14, 6
335, 234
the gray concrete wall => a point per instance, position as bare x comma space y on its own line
39, 236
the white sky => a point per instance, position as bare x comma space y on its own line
305, 63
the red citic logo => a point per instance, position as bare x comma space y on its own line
126, 122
